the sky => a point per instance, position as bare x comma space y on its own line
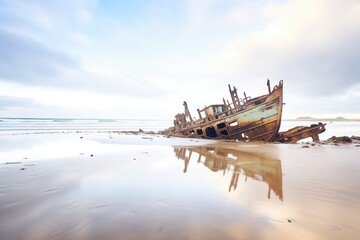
141, 59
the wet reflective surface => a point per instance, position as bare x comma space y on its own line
236, 163
52, 188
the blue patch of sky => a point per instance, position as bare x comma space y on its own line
141, 12
145, 27
5, 17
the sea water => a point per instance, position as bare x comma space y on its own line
28, 125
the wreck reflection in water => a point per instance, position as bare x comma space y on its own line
250, 165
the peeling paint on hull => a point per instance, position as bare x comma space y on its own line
256, 119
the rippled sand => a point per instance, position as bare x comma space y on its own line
110, 186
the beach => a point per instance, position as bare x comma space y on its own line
195, 119
117, 185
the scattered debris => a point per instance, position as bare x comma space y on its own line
149, 138
301, 132
343, 139
334, 140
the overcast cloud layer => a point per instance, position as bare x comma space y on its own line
135, 59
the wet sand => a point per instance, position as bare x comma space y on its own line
126, 186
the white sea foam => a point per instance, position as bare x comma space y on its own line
26, 125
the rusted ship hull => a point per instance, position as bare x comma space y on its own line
247, 119
260, 123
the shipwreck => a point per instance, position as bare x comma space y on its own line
244, 119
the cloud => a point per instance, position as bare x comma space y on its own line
27, 60
50, 14
8, 102
159, 54
24, 100
26, 106
312, 45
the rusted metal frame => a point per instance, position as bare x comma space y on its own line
261, 135
244, 129
278, 87
273, 102
214, 122
264, 104
265, 101
231, 133
305, 133
202, 125
253, 137
244, 112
